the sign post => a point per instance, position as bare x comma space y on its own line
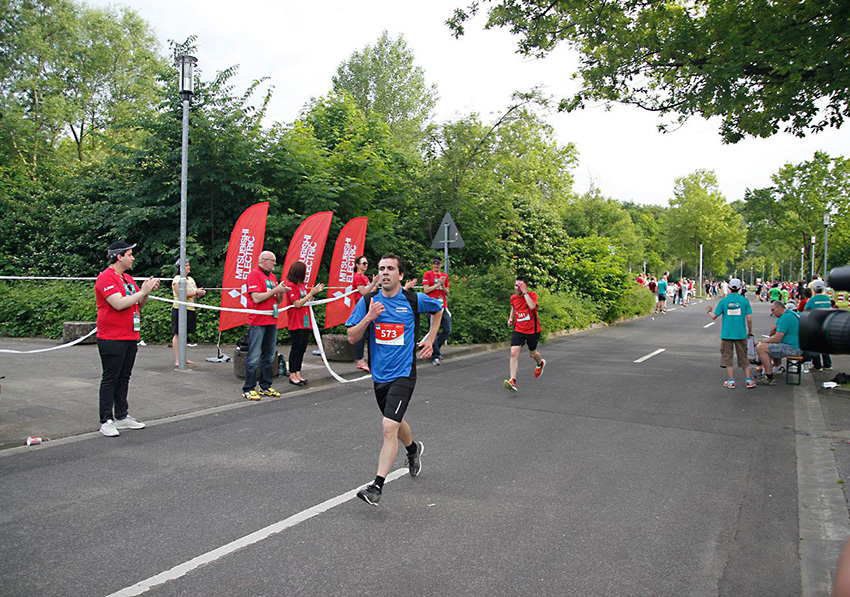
448, 236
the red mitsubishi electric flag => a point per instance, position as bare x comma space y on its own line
307, 245
349, 244
246, 243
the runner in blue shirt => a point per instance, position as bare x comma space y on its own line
390, 323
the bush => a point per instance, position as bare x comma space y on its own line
479, 305
564, 311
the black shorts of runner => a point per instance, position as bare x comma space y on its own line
518, 339
191, 321
394, 396
662, 298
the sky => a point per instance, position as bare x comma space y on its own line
299, 46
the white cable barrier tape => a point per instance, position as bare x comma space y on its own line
77, 341
318, 338
316, 334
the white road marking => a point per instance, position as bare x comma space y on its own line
650, 355
186, 567
672, 309
708, 325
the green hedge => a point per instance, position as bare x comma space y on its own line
479, 305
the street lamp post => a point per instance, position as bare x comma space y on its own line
187, 88
802, 261
825, 242
814, 238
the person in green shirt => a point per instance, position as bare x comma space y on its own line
784, 343
784, 295
820, 300
774, 293
736, 326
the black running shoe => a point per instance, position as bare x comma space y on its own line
414, 464
370, 494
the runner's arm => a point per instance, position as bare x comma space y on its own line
356, 332
427, 344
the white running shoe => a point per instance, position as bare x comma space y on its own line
108, 429
128, 423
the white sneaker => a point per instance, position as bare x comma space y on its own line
128, 423
108, 429
192, 345
142, 343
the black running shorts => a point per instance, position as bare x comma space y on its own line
518, 339
394, 396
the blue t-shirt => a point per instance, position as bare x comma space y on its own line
662, 286
789, 324
818, 301
734, 308
391, 335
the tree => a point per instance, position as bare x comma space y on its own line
593, 214
385, 80
68, 71
759, 66
700, 215
784, 216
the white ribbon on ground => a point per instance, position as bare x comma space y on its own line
318, 338
77, 341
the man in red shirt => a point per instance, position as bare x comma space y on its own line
119, 303
264, 294
526, 324
436, 285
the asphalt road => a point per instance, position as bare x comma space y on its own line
602, 477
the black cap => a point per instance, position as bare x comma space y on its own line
118, 247
437, 260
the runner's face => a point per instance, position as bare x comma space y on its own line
390, 276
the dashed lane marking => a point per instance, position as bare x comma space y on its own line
650, 355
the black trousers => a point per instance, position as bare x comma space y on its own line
299, 347
117, 358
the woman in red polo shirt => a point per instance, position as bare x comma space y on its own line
299, 319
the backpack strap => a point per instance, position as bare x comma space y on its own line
413, 299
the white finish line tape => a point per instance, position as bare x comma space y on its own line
650, 355
185, 568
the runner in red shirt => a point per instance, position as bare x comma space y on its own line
119, 302
436, 285
299, 318
264, 294
526, 324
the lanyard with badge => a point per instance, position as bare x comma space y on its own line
270, 286
130, 290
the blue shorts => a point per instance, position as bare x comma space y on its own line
780, 350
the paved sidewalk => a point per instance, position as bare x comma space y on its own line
54, 394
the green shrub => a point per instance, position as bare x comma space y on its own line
479, 304
564, 311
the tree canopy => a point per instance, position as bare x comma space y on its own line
759, 66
